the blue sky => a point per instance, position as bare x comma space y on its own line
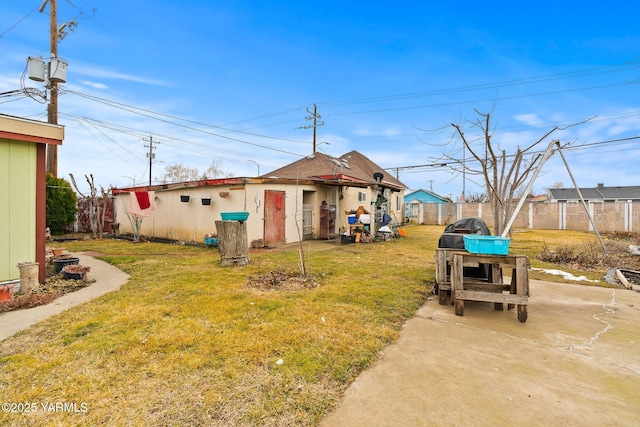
231, 82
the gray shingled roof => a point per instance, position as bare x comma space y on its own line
351, 167
599, 193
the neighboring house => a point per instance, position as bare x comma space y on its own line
307, 199
596, 195
414, 203
23, 193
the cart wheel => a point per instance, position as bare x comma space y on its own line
443, 298
459, 307
522, 313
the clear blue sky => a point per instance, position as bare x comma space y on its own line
231, 81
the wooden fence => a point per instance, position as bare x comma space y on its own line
608, 217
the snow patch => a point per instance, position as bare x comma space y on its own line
565, 275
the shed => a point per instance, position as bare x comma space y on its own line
23, 193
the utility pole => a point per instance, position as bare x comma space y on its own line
464, 173
52, 111
314, 116
55, 72
151, 155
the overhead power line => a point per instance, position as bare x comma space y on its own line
450, 162
18, 23
152, 114
476, 101
495, 85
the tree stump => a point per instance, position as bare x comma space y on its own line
233, 243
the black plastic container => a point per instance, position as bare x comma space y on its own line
59, 263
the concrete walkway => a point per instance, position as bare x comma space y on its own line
575, 362
107, 278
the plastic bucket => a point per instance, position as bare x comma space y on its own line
59, 263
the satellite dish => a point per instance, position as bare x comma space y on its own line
378, 176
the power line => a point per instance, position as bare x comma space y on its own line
138, 134
495, 85
18, 23
450, 162
151, 114
493, 99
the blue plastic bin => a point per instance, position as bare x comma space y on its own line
234, 216
489, 245
211, 241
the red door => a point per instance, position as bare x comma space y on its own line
274, 215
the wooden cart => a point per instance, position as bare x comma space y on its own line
454, 287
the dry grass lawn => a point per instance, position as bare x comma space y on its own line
187, 342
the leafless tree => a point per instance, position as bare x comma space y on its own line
475, 198
502, 173
97, 204
180, 173
215, 171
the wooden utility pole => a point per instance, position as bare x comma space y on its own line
151, 155
52, 111
314, 116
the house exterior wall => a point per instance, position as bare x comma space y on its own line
17, 206
23, 190
351, 201
191, 221
185, 221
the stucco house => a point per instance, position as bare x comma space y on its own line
307, 199
23, 193
415, 201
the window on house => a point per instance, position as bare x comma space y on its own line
332, 197
362, 196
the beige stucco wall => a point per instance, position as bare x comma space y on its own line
191, 221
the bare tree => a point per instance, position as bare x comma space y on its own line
475, 198
179, 173
97, 205
503, 173
215, 171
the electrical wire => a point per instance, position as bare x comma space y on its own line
165, 138
568, 148
495, 85
476, 101
18, 23
151, 114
